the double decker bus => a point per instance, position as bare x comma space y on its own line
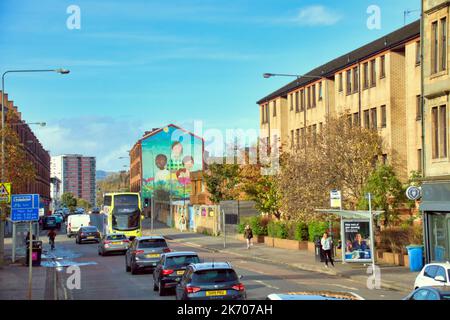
123, 212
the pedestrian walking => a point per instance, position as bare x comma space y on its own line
326, 243
182, 223
248, 235
51, 238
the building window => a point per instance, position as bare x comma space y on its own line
366, 75
297, 134
309, 98
434, 47
320, 91
314, 133
302, 100
443, 132
292, 139
373, 73
382, 67
419, 160
366, 119
383, 117
262, 115
373, 116
418, 53
419, 107
443, 44
356, 119
296, 102
291, 101
349, 82
313, 89
439, 132
341, 82
274, 108
355, 79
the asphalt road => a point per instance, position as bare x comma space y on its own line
105, 278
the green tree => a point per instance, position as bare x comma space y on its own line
222, 181
387, 193
116, 182
264, 192
81, 203
69, 201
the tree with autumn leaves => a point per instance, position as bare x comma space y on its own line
19, 170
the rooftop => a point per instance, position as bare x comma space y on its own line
388, 42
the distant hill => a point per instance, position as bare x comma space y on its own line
102, 175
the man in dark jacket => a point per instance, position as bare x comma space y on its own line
51, 237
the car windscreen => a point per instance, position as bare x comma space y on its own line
181, 261
214, 276
152, 243
116, 237
89, 229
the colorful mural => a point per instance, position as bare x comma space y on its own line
168, 157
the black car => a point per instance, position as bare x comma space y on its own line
49, 222
88, 234
430, 293
145, 253
170, 269
210, 281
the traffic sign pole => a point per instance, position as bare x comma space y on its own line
30, 262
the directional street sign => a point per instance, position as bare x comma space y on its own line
25, 207
5, 192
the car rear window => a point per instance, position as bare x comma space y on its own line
214, 276
116, 237
152, 243
181, 261
90, 229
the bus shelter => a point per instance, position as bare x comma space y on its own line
357, 234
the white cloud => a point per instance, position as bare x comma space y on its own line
316, 15
106, 138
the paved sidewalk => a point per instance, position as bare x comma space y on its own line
392, 277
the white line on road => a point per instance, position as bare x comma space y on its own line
267, 285
345, 287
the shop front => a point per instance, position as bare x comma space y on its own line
436, 220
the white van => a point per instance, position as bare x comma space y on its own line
75, 221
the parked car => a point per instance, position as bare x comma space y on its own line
170, 269
430, 293
59, 219
145, 253
433, 274
49, 222
210, 281
315, 295
75, 222
86, 234
110, 243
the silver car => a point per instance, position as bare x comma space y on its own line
110, 243
145, 253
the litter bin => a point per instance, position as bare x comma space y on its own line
318, 251
415, 256
36, 253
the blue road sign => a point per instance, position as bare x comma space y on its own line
25, 207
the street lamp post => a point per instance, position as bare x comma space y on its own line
2, 214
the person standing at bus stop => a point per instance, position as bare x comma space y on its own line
326, 243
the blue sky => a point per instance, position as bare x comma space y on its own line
140, 64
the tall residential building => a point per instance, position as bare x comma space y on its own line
35, 153
378, 85
436, 119
77, 175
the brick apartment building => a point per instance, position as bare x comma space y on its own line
35, 153
77, 175
378, 84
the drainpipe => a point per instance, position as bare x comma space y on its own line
422, 87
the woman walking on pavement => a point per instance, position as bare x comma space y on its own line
326, 243
248, 235
51, 238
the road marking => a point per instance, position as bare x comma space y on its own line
345, 287
266, 284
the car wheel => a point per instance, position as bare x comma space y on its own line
161, 290
133, 269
